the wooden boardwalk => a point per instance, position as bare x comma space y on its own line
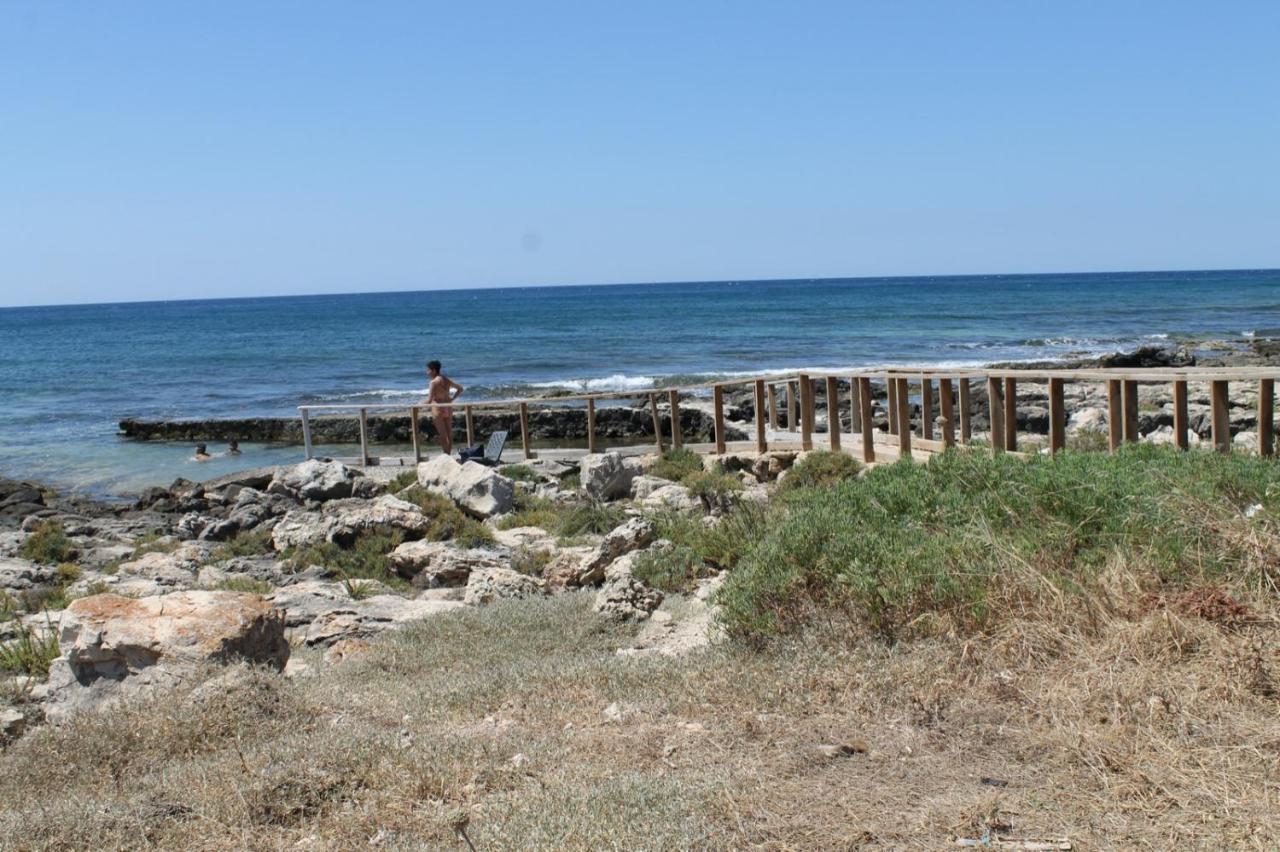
785, 405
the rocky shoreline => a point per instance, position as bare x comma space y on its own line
298, 566
634, 423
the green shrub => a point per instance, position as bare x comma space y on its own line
673, 569
946, 538
45, 598
1089, 441
250, 543
714, 488
677, 464
591, 516
30, 653
402, 481
47, 544
358, 590
448, 523
728, 541
365, 558
821, 469
519, 473
570, 482
531, 511
244, 584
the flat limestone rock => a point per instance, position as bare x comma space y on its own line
113, 647
478, 490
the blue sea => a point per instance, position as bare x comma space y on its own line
69, 374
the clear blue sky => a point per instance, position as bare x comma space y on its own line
183, 150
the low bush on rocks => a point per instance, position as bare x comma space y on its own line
401, 481
821, 469
519, 473
244, 584
47, 544
366, 558
968, 539
714, 488
724, 544
250, 543
448, 522
677, 464
565, 522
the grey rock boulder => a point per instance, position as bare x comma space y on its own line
316, 480
432, 564
487, 585
340, 521
478, 490
636, 534
19, 575
607, 476
319, 613
627, 599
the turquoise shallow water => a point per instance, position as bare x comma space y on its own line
68, 374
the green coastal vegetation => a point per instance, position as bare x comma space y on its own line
942, 648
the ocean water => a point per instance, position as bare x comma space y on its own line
69, 374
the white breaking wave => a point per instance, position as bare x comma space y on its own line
616, 382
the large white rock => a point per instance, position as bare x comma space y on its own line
478, 490
487, 585
431, 564
671, 496
342, 520
607, 476
317, 480
113, 647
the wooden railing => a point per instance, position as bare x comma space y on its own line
945, 391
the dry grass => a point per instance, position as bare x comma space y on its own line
1143, 729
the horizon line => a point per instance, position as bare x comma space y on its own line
668, 283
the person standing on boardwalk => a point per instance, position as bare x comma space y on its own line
444, 390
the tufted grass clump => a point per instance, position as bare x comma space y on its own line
673, 569
248, 543
47, 544
677, 464
519, 473
565, 521
968, 539
244, 584
30, 652
714, 488
401, 481
723, 545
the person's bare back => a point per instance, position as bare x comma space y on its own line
441, 391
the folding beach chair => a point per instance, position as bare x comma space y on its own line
491, 455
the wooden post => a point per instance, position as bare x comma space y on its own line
1130, 411
1219, 411
413, 435
591, 425
864, 414
1180, 419
306, 432
904, 419
806, 413
657, 421
677, 434
948, 413
471, 425
524, 430
891, 388
717, 396
833, 413
1266, 417
926, 408
1010, 414
995, 400
762, 444
791, 406
1057, 416
1115, 419
966, 426
773, 407
855, 408
364, 437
